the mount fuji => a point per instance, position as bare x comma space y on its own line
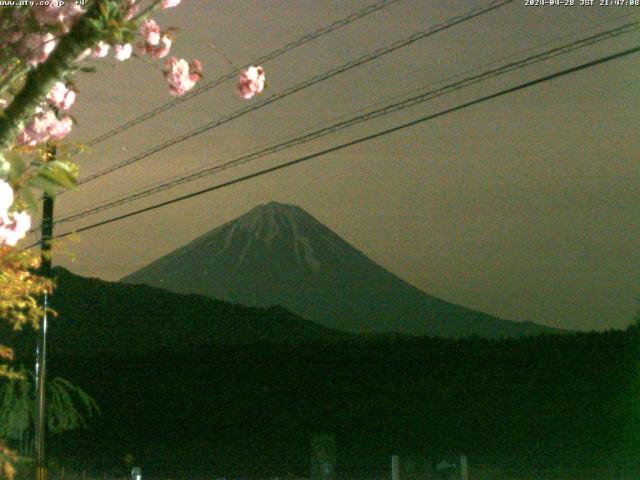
278, 254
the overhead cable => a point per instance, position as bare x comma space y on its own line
385, 110
301, 86
357, 141
259, 61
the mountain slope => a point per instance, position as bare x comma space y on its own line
109, 317
279, 254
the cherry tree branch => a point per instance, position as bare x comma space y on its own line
85, 34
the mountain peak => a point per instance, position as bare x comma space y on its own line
269, 236
276, 230
277, 206
279, 254
272, 216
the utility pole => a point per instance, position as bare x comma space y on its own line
41, 350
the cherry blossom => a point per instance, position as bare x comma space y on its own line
61, 97
156, 43
170, 3
37, 131
14, 30
43, 126
60, 128
54, 14
123, 52
38, 46
131, 9
13, 226
196, 67
150, 31
101, 50
182, 76
33, 34
251, 82
14, 36
84, 55
162, 49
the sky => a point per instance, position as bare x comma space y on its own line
525, 206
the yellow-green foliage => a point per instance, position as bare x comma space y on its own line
7, 460
19, 293
68, 406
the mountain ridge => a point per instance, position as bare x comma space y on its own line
280, 254
95, 316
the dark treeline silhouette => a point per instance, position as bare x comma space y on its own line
552, 401
192, 386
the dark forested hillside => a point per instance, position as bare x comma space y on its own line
564, 401
95, 316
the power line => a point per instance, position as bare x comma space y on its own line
409, 102
303, 85
305, 158
262, 60
197, 171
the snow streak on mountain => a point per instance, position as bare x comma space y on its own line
279, 254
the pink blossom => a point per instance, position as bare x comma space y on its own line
170, 3
101, 50
181, 76
251, 82
65, 15
60, 128
42, 127
84, 55
150, 31
37, 130
48, 15
162, 49
131, 9
196, 66
38, 46
157, 44
14, 36
13, 227
61, 97
123, 52
14, 27
156, 51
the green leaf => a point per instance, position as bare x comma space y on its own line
54, 175
97, 24
27, 197
18, 166
5, 167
